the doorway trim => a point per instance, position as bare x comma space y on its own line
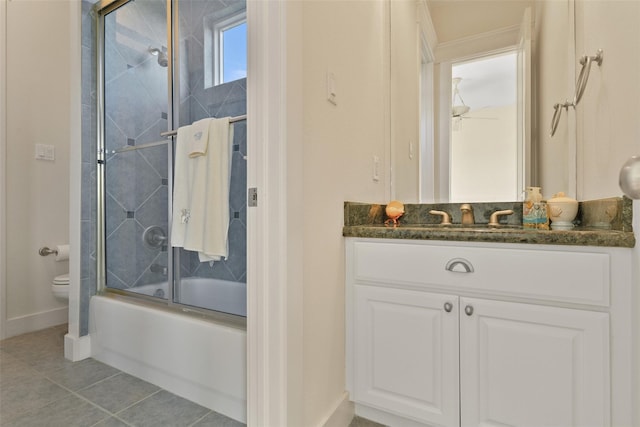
3, 163
268, 361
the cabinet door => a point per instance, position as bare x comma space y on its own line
406, 345
529, 365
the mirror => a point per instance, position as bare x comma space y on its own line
429, 39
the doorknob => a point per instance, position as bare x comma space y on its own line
468, 310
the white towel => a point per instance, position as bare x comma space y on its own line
199, 138
200, 220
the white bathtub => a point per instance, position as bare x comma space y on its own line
198, 359
213, 294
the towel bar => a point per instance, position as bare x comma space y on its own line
231, 120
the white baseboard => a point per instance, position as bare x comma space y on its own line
77, 348
342, 414
385, 418
37, 321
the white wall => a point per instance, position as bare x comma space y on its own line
404, 100
336, 146
608, 114
37, 196
554, 83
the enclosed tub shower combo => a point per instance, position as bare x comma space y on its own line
161, 66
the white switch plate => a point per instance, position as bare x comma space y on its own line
45, 152
376, 169
331, 88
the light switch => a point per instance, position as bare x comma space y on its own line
376, 169
45, 152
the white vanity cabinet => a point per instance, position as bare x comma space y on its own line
487, 342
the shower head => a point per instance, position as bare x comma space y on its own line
163, 61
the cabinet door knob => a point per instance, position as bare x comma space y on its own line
468, 310
448, 307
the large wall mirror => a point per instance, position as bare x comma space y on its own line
468, 122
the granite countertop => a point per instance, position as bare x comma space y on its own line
605, 222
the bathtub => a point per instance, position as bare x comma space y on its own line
213, 294
199, 359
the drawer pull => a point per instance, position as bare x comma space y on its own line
448, 307
468, 268
468, 310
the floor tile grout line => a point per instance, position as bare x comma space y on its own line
201, 418
70, 393
47, 403
111, 414
139, 401
80, 389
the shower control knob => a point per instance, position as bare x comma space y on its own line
154, 237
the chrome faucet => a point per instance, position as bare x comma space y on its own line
467, 214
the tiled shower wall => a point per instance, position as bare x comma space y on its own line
136, 113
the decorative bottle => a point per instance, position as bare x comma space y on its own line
534, 210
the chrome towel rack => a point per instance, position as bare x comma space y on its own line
166, 134
581, 85
231, 120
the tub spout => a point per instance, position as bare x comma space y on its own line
157, 268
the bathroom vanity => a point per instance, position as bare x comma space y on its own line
456, 332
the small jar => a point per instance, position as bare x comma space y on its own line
562, 211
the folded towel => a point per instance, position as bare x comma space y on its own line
199, 138
200, 220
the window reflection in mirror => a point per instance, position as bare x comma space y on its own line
484, 129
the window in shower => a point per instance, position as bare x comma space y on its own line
225, 48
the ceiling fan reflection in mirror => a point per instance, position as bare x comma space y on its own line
460, 110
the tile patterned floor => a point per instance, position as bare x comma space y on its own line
363, 422
39, 387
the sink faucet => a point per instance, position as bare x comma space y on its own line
467, 214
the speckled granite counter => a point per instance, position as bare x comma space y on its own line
605, 222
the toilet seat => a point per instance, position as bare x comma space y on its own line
62, 279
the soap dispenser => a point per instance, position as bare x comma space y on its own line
534, 210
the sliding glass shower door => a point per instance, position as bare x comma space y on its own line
153, 78
136, 166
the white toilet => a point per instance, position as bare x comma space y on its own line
60, 286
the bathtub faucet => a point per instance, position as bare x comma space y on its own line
157, 268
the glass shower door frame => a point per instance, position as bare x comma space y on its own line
102, 9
